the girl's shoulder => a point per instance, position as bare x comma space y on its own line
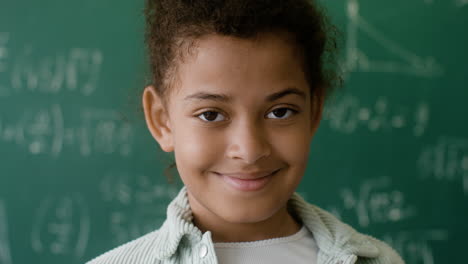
336, 238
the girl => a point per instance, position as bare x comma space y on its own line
238, 91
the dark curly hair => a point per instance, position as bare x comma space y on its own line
173, 26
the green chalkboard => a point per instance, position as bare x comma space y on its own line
80, 173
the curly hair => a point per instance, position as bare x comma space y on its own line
173, 26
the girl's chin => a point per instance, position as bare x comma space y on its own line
247, 214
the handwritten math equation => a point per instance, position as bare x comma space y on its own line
137, 204
349, 114
446, 161
62, 225
45, 131
73, 70
376, 201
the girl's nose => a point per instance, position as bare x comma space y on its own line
249, 143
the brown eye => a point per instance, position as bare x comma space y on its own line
281, 112
209, 116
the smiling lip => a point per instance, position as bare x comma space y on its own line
245, 182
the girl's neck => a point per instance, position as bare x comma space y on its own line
281, 224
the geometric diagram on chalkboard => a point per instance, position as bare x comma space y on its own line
405, 61
460, 3
5, 256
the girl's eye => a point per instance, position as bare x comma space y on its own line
210, 116
282, 113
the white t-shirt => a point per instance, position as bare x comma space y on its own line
297, 248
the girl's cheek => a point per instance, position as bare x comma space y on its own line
294, 146
198, 148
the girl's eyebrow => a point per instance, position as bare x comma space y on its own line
226, 98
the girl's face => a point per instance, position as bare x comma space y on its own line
241, 110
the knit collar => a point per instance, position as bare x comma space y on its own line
331, 235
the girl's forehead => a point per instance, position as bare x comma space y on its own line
225, 61
268, 46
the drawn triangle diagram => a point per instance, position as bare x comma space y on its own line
461, 3
406, 62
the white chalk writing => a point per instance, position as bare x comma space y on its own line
446, 160
347, 114
5, 255
4, 37
44, 131
375, 202
356, 59
415, 246
461, 3
61, 226
458, 3
74, 70
138, 204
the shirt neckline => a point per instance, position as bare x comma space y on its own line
265, 242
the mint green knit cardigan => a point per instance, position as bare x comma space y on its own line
179, 241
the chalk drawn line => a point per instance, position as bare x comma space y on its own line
357, 59
5, 255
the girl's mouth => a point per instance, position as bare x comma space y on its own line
248, 185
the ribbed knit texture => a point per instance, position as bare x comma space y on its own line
299, 248
179, 241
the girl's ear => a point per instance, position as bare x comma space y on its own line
157, 119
